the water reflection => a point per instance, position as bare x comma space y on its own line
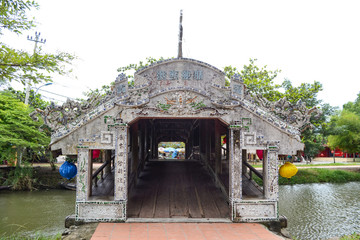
321, 211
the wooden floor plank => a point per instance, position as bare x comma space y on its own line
170, 189
163, 201
204, 183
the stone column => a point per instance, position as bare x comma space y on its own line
271, 184
82, 178
235, 168
120, 189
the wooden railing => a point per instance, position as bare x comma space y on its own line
253, 170
100, 171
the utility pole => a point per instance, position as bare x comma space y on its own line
36, 40
180, 36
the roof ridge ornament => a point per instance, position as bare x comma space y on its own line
180, 36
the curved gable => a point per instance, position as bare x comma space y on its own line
179, 73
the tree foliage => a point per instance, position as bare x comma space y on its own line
345, 128
260, 81
346, 133
35, 101
21, 66
306, 92
13, 15
17, 129
353, 106
257, 80
131, 68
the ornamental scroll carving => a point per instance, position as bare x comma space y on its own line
296, 114
180, 103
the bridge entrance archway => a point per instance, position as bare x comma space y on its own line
194, 187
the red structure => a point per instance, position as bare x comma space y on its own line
327, 152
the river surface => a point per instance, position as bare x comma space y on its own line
35, 212
314, 211
321, 211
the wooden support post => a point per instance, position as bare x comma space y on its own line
217, 147
207, 141
201, 139
134, 149
107, 158
141, 148
244, 159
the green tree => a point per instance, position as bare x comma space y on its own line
353, 106
130, 69
306, 92
260, 80
18, 130
314, 138
35, 101
18, 65
257, 80
14, 15
346, 133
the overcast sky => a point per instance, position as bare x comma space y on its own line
308, 40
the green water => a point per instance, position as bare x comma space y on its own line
31, 213
321, 211
314, 211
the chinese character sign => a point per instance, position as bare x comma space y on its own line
183, 75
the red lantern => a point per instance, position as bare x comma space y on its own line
95, 153
260, 154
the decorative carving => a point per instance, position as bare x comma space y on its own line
296, 114
107, 137
180, 103
237, 86
235, 166
121, 164
249, 138
81, 178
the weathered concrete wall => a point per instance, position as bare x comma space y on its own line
97, 133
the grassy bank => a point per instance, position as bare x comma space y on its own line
355, 236
315, 165
32, 178
321, 175
318, 175
36, 237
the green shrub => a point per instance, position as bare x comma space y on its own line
317, 175
21, 178
38, 236
354, 236
321, 175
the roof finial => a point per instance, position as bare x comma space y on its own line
180, 36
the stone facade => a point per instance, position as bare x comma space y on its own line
177, 89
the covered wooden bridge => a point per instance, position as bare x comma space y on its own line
177, 100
